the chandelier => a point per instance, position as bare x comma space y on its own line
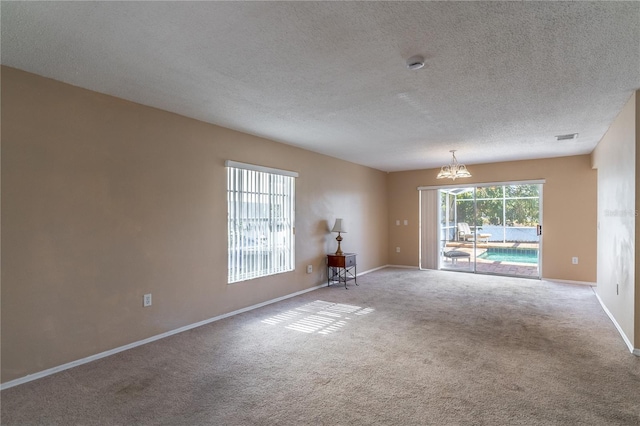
454, 170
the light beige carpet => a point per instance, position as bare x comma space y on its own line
406, 347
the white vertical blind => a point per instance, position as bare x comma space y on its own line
429, 240
261, 211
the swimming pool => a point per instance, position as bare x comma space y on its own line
510, 255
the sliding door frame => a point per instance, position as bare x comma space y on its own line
425, 246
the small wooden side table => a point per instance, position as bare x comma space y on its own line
341, 268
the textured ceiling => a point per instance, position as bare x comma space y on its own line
501, 79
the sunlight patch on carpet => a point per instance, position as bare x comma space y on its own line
314, 306
323, 317
281, 317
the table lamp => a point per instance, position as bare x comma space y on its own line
338, 227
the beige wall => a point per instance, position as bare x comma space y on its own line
615, 160
569, 211
105, 200
637, 229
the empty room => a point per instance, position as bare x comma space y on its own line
320, 213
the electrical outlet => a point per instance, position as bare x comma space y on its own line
397, 223
309, 269
574, 260
146, 300
406, 222
397, 249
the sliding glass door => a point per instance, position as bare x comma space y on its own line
491, 229
457, 251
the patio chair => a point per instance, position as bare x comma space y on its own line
464, 232
454, 255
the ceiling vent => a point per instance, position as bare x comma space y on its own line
568, 137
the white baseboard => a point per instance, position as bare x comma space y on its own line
371, 270
113, 351
615, 323
401, 266
553, 280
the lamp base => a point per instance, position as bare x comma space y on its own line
339, 251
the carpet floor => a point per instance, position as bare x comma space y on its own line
405, 347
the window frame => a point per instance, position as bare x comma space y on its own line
260, 221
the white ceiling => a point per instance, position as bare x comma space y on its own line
501, 80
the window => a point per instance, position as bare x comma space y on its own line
261, 211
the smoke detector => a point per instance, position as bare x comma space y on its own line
415, 62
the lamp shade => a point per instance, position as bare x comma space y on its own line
338, 226
454, 170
